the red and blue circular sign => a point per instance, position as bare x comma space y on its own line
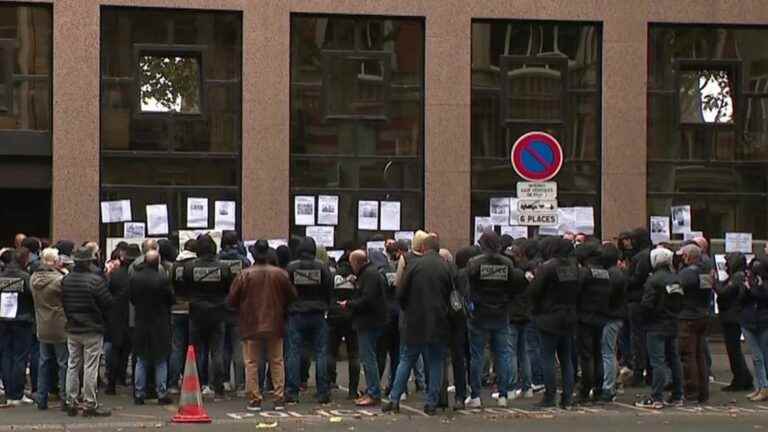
537, 156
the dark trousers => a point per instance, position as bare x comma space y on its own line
664, 357
588, 345
338, 333
16, 339
312, 328
117, 361
694, 358
458, 348
389, 344
732, 335
638, 344
561, 346
210, 334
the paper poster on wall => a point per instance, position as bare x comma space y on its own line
116, 211
659, 229
404, 235
134, 230
185, 235
722, 275
248, 244
514, 211
336, 254
197, 212
681, 219
482, 224
499, 211
515, 231
327, 210
112, 242
157, 219
375, 245
576, 220
690, 235
390, 215
304, 210
368, 215
738, 242
323, 235
224, 216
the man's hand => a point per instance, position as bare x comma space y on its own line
343, 304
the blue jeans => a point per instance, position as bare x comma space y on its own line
50, 353
562, 346
366, 340
180, 328
499, 347
664, 358
519, 359
611, 331
16, 338
433, 356
758, 344
161, 376
309, 327
533, 348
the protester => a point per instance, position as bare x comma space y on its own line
423, 293
17, 326
340, 329
616, 315
261, 295
306, 320
661, 304
207, 280
118, 330
554, 294
369, 318
232, 254
86, 302
51, 322
754, 324
180, 316
152, 296
637, 272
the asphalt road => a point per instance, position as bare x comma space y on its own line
726, 410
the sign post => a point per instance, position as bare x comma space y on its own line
537, 157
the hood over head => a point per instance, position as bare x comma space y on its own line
641, 239
735, 262
661, 258
464, 254
307, 248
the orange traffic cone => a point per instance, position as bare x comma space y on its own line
191, 402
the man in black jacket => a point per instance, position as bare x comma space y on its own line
661, 305
730, 312
86, 302
697, 283
117, 326
615, 316
493, 281
152, 296
554, 295
369, 317
423, 294
306, 320
17, 326
637, 273
207, 280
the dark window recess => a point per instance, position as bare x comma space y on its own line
170, 109
169, 84
536, 76
6, 75
357, 115
708, 125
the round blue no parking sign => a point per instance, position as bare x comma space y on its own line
537, 156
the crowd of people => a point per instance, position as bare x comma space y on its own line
504, 313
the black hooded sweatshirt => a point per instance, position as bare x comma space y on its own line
639, 266
555, 290
728, 291
312, 280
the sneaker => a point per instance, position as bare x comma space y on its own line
451, 389
495, 395
537, 387
254, 405
324, 400
404, 397
279, 405
650, 404
606, 397
502, 402
524, 394
291, 400
23, 401
70, 409
367, 401
514, 394
761, 396
227, 387
207, 391
753, 393
389, 406
675, 403
430, 410
473, 403
97, 412
26, 400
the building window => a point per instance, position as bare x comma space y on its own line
536, 76
357, 116
708, 125
170, 110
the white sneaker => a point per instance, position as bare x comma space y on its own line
174, 390
495, 395
502, 402
537, 388
528, 394
513, 394
27, 401
403, 397
451, 389
227, 387
473, 402
208, 392
13, 402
